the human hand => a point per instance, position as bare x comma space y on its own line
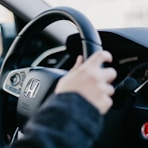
91, 80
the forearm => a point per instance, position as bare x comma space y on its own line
63, 121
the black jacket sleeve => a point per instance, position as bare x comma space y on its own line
64, 121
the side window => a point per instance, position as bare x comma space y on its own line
7, 29
5, 15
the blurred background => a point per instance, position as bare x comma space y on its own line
5, 15
110, 13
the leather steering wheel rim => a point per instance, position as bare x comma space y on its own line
89, 36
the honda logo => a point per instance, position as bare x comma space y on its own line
31, 88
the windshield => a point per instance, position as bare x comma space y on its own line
110, 13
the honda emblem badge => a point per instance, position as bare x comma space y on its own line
31, 88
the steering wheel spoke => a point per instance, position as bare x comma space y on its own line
14, 81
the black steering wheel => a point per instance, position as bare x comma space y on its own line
31, 85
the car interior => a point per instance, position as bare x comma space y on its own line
42, 44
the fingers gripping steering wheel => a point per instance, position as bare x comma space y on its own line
31, 85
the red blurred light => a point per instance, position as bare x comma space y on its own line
144, 130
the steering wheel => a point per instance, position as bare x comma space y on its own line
31, 85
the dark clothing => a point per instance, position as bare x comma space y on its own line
64, 121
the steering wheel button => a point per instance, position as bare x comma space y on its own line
144, 130
12, 89
15, 79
